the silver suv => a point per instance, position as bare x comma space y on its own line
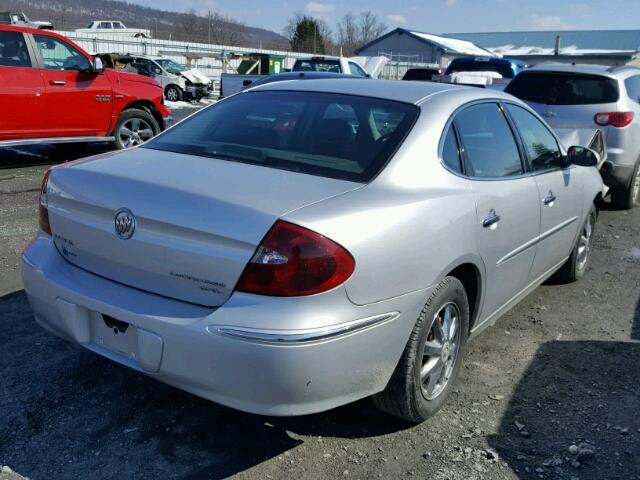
592, 96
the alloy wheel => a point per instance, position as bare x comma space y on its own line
441, 350
172, 95
135, 131
584, 242
635, 188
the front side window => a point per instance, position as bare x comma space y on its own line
118, 25
541, 146
105, 25
356, 70
490, 146
13, 50
59, 55
337, 136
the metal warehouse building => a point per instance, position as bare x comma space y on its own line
402, 45
609, 47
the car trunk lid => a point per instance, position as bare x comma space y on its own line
198, 220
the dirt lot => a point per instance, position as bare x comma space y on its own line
552, 391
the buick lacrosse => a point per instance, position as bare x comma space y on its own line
305, 244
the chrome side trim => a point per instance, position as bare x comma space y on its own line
298, 337
536, 240
44, 141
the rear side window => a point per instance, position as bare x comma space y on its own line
13, 50
541, 146
633, 88
451, 151
558, 88
490, 146
338, 136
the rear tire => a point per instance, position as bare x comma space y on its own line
135, 127
173, 93
627, 198
416, 391
576, 266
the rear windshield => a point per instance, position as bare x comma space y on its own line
503, 69
338, 136
420, 74
317, 66
558, 88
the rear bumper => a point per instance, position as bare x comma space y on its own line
325, 352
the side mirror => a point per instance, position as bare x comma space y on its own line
582, 156
98, 66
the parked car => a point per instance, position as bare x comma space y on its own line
20, 19
593, 96
179, 83
302, 245
114, 28
52, 91
329, 64
422, 74
505, 67
289, 76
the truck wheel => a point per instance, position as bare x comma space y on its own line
135, 127
173, 93
429, 366
627, 198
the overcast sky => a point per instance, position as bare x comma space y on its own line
436, 16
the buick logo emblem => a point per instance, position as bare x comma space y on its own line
124, 223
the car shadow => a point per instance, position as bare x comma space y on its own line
29, 156
574, 413
103, 418
635, 326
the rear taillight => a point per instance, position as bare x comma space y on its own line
293, 261
615, 119
43, 212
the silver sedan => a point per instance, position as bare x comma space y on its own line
305, 244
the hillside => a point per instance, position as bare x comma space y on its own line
72, 14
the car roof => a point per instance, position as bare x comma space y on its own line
605, 70
399, 91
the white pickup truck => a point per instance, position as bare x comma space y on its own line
329, 64
113, 28
20, 19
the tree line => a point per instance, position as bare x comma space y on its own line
308, 34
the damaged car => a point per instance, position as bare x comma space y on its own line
179, 83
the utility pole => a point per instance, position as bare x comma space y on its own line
209, 24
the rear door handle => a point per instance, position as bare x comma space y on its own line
491, 219
549, 199
57, 82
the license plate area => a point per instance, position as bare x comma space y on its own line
114, 335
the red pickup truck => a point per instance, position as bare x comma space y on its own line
52, 91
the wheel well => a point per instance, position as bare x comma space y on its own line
469, 276
148, 107
172, 85
598, 202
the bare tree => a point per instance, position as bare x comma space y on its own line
370, 27
224, 30
348, 33
189, 25
353, 32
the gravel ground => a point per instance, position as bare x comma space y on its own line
551, 391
